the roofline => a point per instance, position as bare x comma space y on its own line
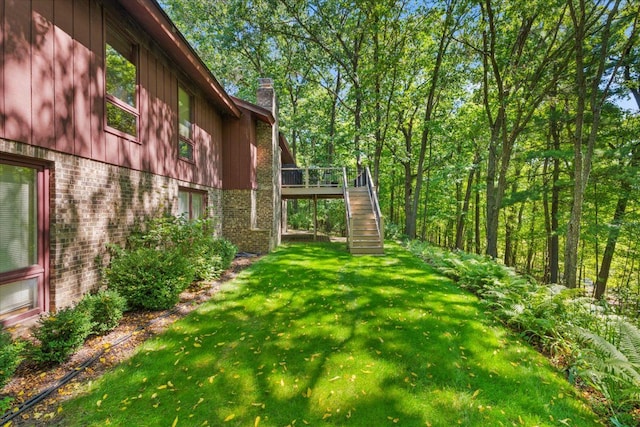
262, 113
286, 150
157, 23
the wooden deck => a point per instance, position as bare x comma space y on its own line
313, 183
365, 224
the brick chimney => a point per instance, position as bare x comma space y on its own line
266, 96
269, 187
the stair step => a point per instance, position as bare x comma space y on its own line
367, 251
365, 239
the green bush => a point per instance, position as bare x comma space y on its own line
105, 309
149, 278
59, 335
225, 250
162, 233
9, 357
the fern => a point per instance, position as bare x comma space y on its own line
609, 359
629, 342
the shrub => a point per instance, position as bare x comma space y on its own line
149, 278
225, 250
162, 233
211, 256
105, 309
59, 335
9, 357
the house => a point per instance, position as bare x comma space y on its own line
108, 117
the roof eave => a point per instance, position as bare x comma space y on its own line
261, 113
157, 24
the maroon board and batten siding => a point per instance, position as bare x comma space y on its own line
239, 153
52, 91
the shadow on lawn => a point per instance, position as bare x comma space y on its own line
314, 335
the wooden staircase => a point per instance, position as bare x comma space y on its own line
365, 238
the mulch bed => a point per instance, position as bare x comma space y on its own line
135, 327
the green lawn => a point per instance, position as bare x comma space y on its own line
310, 335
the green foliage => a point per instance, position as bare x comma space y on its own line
603, 348
210, 256
164, 257
105, 309
167, 232
612, 366
59, 335
300, 221
393, 231
10, 351
150, 278
5, 404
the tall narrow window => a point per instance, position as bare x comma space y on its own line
22, 233
122, 84
185, 127
191, 203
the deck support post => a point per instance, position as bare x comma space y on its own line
315, 218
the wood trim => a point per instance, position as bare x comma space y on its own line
41, 270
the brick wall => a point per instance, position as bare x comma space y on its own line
237, 222
92, 204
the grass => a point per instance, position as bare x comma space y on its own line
310, 335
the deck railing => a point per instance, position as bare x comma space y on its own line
376, 205
312, 177
347, 205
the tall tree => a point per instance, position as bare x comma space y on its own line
592, 58
523, 54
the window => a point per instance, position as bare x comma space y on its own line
191, 203
23, 230
185, 128
121, 84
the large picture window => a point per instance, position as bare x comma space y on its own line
121, 78
185, 127
23, 231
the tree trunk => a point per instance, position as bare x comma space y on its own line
614, 231
614, 228
428, 112
531, 247
465, 207
477, 214
588, 89
332, 121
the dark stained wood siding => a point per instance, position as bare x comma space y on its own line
42, 77
239, 153
52, 91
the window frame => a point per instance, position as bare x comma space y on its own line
181, 139
39, 270
191, 192
111, 30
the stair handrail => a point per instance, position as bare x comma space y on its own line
347, 205
376, 205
